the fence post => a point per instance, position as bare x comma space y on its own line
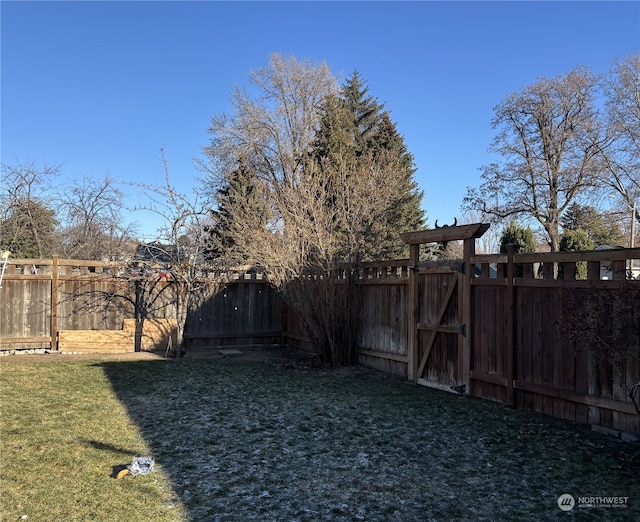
469, 249
53, 326
510, 327
412, 309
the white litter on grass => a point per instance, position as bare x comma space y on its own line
141, 466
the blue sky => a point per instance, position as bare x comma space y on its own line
100, 87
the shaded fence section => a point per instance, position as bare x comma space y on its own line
383, 332
241, 309
529, 311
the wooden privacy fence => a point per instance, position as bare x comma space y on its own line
73, 305
501, 327
491, 326
525, 352
56, 303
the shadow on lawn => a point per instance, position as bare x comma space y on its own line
246, 441
147, 390
108, 447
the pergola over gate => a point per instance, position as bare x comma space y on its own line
439, 311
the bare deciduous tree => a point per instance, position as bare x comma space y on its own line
320, 211
93, 225
546, 139
182, 242
311, 248
27, 221
271, 131
621, 145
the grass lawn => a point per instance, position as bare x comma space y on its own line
239, 440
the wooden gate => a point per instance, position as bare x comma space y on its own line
440, 310
439, 328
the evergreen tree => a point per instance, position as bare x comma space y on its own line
514, 234
240, 194
575, 241
355, 130
407, 215
593, 224
29, 230
364, 109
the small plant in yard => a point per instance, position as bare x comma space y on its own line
235, 440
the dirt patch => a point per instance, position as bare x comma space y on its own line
48, 357
281, 357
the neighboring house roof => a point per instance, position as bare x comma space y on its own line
609, 247
156, 252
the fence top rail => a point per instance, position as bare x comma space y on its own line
382, 264
96, 262
85, 267
593, 265
37, 262
614, 254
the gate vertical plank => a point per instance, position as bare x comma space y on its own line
460, 314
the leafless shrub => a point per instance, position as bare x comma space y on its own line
607, 323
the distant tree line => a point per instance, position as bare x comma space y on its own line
82, 219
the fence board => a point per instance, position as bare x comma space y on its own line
383, 332
25, 309
243, 311
487, 332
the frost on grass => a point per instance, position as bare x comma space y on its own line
245, 441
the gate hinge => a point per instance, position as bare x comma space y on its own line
462, 329
460, 390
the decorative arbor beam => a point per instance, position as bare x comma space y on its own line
445, 233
